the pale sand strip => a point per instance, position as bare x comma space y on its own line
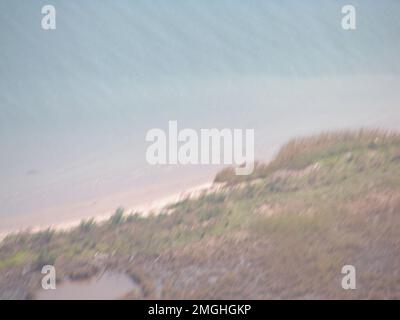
153, 207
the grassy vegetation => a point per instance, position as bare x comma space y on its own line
283, 232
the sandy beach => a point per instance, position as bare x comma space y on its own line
152, 206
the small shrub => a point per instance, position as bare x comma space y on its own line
87, 225
45, 258
117, 217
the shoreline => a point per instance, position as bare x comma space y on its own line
145, 209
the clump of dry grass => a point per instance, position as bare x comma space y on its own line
300, 152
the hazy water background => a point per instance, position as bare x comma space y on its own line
76, 103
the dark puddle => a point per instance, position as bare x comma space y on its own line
108, 286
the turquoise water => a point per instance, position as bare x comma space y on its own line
76, 103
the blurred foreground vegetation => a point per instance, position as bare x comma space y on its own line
283, 232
